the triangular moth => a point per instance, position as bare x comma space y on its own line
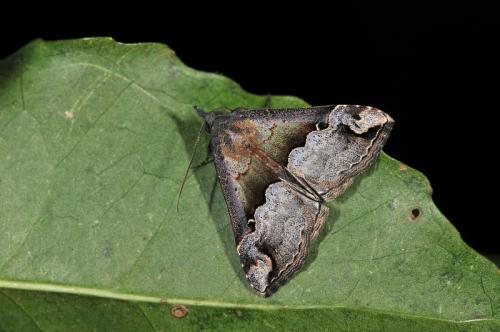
277, 166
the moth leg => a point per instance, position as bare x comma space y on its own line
268, 101
208, 160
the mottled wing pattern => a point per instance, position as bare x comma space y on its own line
263, 156
333, 156
284, 227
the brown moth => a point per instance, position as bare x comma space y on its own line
277, 167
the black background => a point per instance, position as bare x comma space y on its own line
439, 82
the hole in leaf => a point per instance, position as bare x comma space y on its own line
414, 214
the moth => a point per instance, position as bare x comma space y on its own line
277, 167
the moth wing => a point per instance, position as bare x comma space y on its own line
331, 157
243, 177
284, 226
274, 224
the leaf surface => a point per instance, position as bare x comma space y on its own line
95, 137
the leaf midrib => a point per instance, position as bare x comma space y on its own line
74, 290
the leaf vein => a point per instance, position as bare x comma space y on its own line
23, 310
136, 260
18, 251
364, 214
91, 126
139, 306
488, 296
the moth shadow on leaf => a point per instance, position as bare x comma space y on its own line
206, 178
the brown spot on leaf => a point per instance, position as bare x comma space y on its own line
179, 311
163, 300
402, 167
414, 214
69, 115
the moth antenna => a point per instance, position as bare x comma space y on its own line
202, 127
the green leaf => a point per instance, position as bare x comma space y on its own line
95, 137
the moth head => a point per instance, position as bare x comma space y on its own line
208, 117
